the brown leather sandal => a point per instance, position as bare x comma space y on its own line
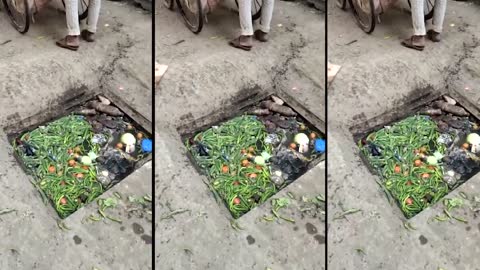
261, 36
242, 42
415, 42
433, 36
69, 42
87, 36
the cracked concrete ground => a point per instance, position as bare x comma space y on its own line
35, 74
377, 76
204, 76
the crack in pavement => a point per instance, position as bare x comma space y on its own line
453, 71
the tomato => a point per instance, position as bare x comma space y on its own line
431, 167
225, 169
293, 146
139, 135
418, 163
85, 168
425, 175
466, 146
416, 151
258, 167
243, 151
70, 151
313, 135
63, 201
253, 175
236, 201
71, 162
119, 145
245, 163
51, 169
409, 201
79, 175
397, 169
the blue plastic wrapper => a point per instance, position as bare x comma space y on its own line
320, 145
147, 145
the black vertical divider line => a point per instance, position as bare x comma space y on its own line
153, 137
326, 134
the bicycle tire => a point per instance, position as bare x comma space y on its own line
342, 4
168, 4
369, 26
258, 13
194, 27
429, 15
81, 15
20, 28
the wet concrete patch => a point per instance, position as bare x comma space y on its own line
423, 240
276, 141
147, 239
250, 240
311, 229
320, 239
77, 240
137, 228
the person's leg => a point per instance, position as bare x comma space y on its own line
265, 20
417, 41
245, 13
267, 14
418, 17
92, 21
437, 23
72, 40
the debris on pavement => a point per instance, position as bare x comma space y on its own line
159, 72
332, 72
7, 211
346, 213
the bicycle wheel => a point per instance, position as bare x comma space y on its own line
342, 4
428, 7
168, 4
256, 9
192, 13
19, 13
364, 12
82, 8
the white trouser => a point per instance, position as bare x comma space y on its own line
73, 24
245, 11
419, 20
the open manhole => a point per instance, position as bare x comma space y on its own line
252, 150
81, 148
424, 150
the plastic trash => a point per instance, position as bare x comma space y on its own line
319, 146
277, 178
99, 139
146, 145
